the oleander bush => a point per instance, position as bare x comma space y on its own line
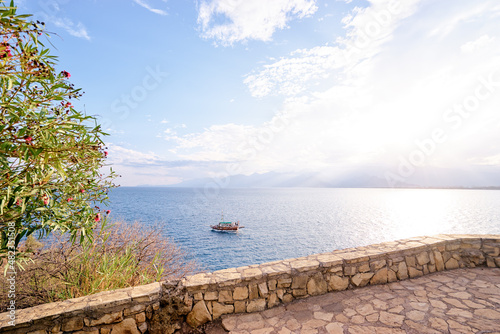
51, 154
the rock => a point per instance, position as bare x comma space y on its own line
225, 296
263, 289
337, 283
299, 282
361, 279
402, 271
240, 306
423, 258
199, 315
317, 285
451, 264
105, 319
253, 291
240, 293
127, 326
414, 272
72, 325
273, 300
391, 276
220, 309
439, 261
257, 305
379, 277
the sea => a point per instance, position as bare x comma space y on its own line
282, 223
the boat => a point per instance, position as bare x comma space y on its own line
226, 226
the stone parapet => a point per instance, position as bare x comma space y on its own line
165, 307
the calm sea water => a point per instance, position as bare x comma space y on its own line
283, 223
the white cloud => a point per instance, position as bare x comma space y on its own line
77, 30
481, 42
230, 21
388, 88
367, 29
146, 5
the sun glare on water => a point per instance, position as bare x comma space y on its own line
417, 212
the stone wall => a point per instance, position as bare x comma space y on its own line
166, 307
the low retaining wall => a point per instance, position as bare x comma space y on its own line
165, 307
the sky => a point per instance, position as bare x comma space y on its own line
216, 88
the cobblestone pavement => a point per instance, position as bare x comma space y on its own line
457, 301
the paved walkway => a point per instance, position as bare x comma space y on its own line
457, 301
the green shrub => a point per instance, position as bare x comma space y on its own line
119, 256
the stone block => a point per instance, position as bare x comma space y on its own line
451, 264
413, 272
143, 327
337, 283
411, 261
280, 293
452, 246
272, 300
364, 268
105, 319
253, 291
361, 279
272, 284
317, 285
284, 282
240, 306
263, 291
225, 296
299, 292
210, 296
439, 260
378, 264
402, 270
350, 270
391, 276
287, 298
257, 305
379, 277
423, 258
199, 315
490, 262
72, 324
126, 326
491, 251
240, 293
220, 309
134, 309
299, 282
140, 317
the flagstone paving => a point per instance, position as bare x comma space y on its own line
456, 301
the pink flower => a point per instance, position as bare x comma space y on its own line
18, 202
28, 139
45, 199
66, 74
105, 153
97, 217
108, 212
82, 190
69, 199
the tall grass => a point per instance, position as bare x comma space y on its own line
119, 256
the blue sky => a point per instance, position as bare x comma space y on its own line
214, 88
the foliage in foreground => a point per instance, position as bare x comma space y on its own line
50, 153
119, 256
